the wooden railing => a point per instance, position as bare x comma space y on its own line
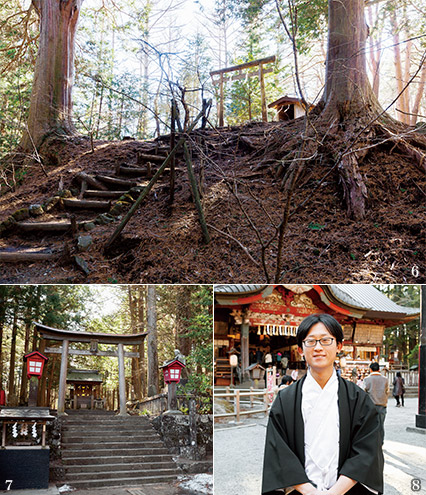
237, 395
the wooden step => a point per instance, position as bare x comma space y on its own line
94, 193
144, 157
48, 226
87, 204
134, 171
119, 183
28, 255
91, 181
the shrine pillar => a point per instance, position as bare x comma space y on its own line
245, 350
63, 378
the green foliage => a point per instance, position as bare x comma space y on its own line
200, 361
17, 58
403, 338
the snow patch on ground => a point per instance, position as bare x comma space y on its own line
197, 484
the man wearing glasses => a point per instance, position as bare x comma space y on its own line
323, 433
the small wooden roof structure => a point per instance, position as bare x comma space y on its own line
289, 107
84, 376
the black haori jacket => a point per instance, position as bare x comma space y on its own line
360, 447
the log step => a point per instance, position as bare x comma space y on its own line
47, 226
135, 171
87, 204
119, 183
26, 255
91, 181
94, 193
144, 157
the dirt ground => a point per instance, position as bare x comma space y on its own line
165, 245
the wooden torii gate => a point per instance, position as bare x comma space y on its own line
67, 336
239, 68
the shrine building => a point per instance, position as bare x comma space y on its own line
255, 320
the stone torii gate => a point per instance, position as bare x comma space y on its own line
67, 336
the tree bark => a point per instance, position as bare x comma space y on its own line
348, 101
141, 323
419, 96
51, 102
136, 372
12, 399
152, 341
402, 103
3, 301
347, 90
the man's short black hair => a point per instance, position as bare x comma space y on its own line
287, 380
332, 325
374, 367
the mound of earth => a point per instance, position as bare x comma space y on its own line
238, 170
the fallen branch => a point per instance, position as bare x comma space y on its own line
194, 187
235, 240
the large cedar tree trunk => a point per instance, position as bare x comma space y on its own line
151, 321
51, 103
348, 102
347, 91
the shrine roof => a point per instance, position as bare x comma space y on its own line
103, 338
360, 300
92, 376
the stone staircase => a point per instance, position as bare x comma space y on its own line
105, 450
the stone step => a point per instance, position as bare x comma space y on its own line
105, 475
68, 452
122, 459
91, 418
112, 445
107, 427
103, 438
115, 482
118, 467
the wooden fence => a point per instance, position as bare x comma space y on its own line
238, 396
158, 404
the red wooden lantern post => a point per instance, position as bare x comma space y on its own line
172, 370
35, 365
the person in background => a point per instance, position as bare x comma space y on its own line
286, 381
360, 382
268, 358
377, 387
398, 389
323, 435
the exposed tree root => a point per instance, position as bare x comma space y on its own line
342, 149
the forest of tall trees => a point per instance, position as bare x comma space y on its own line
131, 56
177, 317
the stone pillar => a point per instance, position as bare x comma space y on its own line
121, 381
63, 378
